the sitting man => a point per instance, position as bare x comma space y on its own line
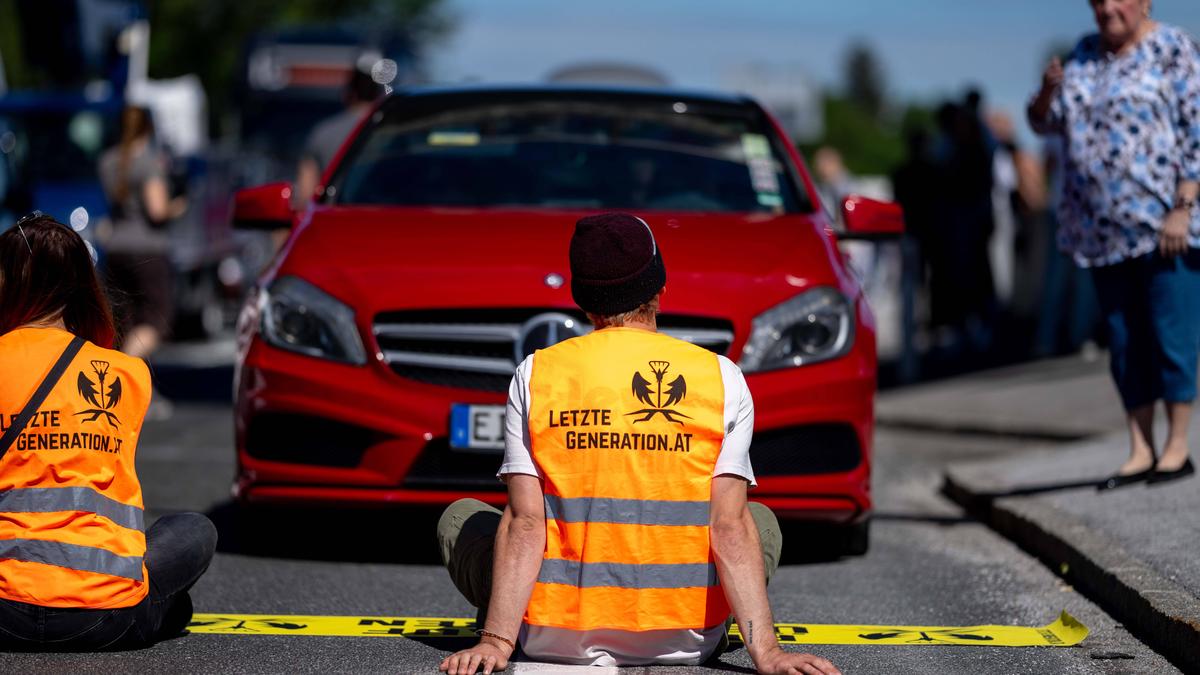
627, 538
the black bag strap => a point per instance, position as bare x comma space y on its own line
40, 395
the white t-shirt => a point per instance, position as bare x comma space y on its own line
608, 647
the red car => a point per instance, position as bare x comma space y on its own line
376, 352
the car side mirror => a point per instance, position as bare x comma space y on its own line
267, 207
870, 218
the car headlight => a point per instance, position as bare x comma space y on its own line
815, 326
300, 317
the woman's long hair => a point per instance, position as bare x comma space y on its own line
136, 124
46, 270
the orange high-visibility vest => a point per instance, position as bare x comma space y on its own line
626, 426
71, 520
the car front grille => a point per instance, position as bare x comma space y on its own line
304, 439
475, 348
440, 467
805, 450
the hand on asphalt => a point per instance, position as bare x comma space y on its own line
1173, 240
483, 657
779, 662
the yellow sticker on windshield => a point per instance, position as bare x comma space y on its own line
453, 138
1065, 632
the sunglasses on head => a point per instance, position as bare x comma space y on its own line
32, 215
25, 219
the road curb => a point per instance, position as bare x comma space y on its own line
1156, 610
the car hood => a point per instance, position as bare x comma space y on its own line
718, 265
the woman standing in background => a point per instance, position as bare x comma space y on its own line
134, 177
1127, 104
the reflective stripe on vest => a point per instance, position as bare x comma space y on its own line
629, 511
48, 500
72, 556
626, 426
624, 575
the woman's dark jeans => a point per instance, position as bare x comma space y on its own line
1150, 306
179, 548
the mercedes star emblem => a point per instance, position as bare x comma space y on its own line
545, 330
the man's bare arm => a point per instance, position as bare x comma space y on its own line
738, 555
520, 544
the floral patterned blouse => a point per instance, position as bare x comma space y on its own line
1131, 123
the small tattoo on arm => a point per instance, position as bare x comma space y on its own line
749, 632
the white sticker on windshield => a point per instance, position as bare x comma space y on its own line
763, 176
755, 145
757, 149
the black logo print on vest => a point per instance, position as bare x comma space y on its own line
102, 402
674, 392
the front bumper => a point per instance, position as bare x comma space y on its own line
310, 431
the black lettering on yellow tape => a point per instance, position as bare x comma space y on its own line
1066, 631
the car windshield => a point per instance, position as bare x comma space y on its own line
632, 153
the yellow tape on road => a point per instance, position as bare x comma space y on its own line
1064, 632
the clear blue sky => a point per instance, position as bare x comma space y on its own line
929, 48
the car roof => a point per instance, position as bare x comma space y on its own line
566, 91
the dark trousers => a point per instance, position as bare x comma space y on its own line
1150, 307
179, 548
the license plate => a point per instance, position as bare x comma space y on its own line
477, 428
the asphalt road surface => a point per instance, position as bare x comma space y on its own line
928, 565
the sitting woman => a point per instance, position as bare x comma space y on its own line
78, 571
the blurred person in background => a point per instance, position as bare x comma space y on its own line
834, 182
1067, 313
1018, 200
327, 137
917, 188
78, 569
1127, 103
134, 176
965, 314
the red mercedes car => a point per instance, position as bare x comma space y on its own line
376, 352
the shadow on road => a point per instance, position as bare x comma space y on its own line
1038, 489
933, 519
808, 542
449, 645
723, 667
979, 503
1043, 488
401, 535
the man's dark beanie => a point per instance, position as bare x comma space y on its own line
616, 265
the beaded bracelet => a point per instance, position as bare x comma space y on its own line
488, 633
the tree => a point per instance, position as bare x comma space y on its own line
207, 38
867, 147
865, 81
